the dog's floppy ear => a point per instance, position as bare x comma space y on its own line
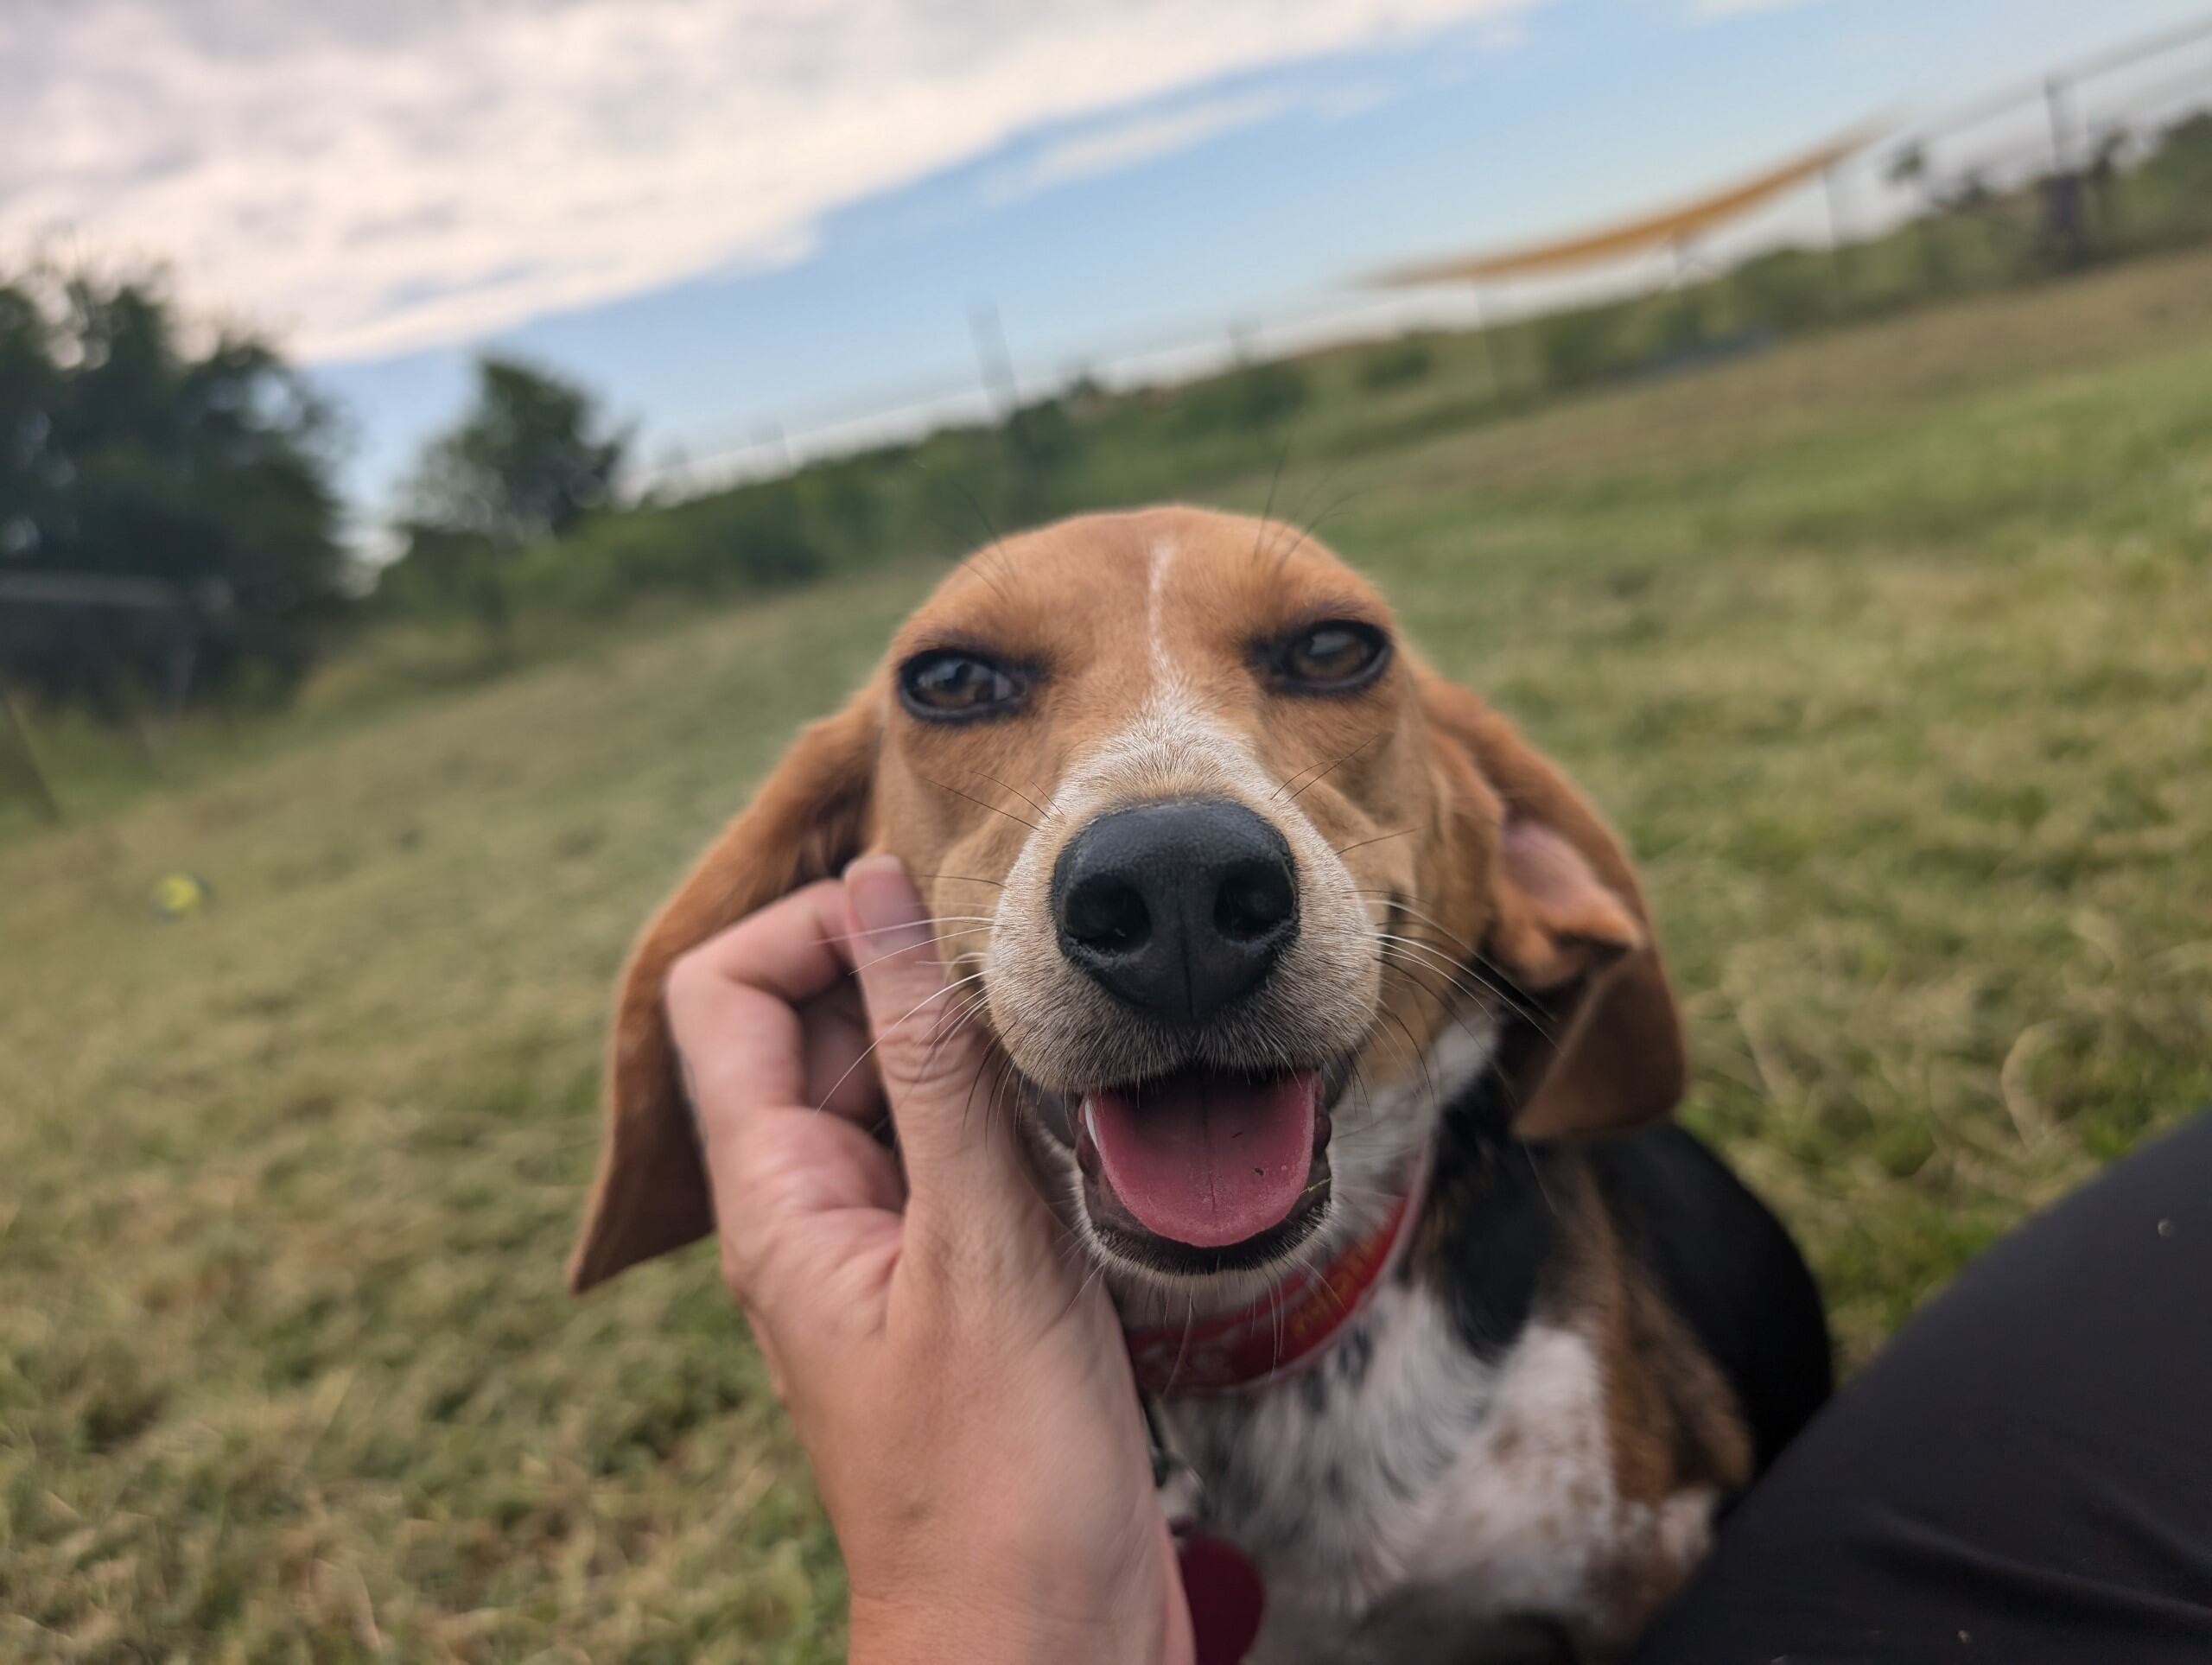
810, 818
1568, 924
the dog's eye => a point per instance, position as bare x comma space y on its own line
947, 682
1336, 655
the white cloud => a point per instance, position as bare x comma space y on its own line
1143, 138
376, 176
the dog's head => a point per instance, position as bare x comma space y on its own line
1238, 876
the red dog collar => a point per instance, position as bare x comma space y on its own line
1280, 1334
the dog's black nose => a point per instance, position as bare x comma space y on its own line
1177, 907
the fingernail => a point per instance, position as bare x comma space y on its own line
884, 903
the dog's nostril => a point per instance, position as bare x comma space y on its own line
1106, 913
1256, 898
1178, 908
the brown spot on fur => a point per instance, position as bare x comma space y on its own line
1673, 1423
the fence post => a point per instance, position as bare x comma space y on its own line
1487, 332
42, 788
2053, 93
1839, 247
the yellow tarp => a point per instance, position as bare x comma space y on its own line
1629, 237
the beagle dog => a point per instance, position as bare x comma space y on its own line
1333, 1020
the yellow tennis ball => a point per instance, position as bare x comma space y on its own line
177, 894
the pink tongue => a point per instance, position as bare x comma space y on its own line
1206, 1159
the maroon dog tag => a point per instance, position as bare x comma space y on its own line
1226, 1596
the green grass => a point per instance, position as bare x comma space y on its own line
1888, 650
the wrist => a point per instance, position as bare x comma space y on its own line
998, 1630
1016, 1624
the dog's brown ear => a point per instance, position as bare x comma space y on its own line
1602, 1047
810, 818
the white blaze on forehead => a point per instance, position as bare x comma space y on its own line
1170, 744
1161, 556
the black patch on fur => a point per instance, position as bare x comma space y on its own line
1727, 1266
1496, 1224
1354, 1354
1314, 1386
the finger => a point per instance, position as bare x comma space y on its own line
805, 1204
933, 1057
755, 1014
731, 1004
788, 949
840, 1076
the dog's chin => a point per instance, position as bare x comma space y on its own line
1202, 1171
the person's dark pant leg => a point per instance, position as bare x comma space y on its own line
2024, 1475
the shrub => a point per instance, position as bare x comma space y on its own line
1257, 396
1785, 289
1579, 348
1396, 364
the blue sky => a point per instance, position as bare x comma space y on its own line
734, 234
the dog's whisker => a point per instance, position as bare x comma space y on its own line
1292, 535
1315, 526
1331, 769
999, 1082
1446, 965
1267, 513
932, 919
1456, 971
956, 1020
1536, 1172
891, 1028
942, 936
1345, 850
993, 808
995, 546
1436, 1102
1445, 1008
1398, 901
968, 1103
1435, 960
1016, 790
1412, 931
1500, 986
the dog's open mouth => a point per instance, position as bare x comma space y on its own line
1234, 1167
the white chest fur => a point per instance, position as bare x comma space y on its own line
1404, 1460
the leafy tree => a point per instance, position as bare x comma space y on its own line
531, 459
142, 455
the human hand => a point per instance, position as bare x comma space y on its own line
961, 1386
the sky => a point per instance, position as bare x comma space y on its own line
747, 222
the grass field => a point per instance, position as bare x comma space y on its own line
1890, 651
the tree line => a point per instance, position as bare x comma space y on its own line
171, 530
170, 525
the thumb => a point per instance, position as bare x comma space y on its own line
934, 1058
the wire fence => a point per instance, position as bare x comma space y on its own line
2024, 176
